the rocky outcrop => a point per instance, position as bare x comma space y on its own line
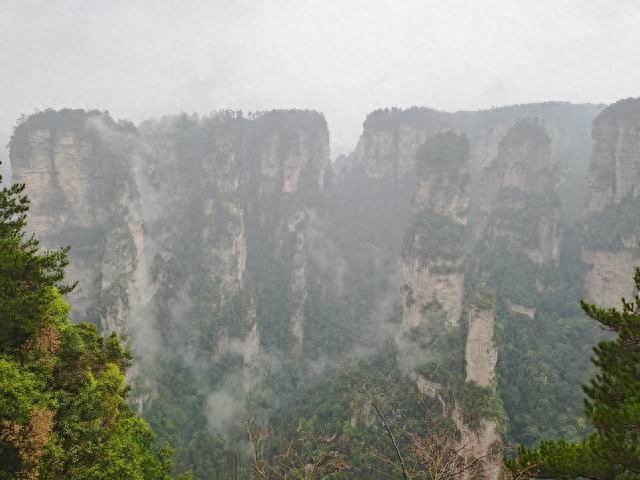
480, 352
611, 235
391, 138
517, 309
609, 276
81, 191
218, 241
523, 158
615, 158
176, 220
481, 356
478, 441
250, 354
516, 214
519, 203
434, 259
298, 292
538, 166
437, 240
289, 153
480, 447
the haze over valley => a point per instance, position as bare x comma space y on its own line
339, 240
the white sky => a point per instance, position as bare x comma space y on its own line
342, 57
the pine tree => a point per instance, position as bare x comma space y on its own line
27, 276
612, 405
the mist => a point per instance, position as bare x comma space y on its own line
345, 59
300, 217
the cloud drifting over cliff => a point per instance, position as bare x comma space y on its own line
344, 58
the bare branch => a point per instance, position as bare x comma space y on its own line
363, 388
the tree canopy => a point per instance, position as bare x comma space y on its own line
63, 408
612, 404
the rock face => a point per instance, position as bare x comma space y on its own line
81, 191
223, 245
481, 447
290, 150
519, 203
615, 158
498, 217
609, 275
434, 260
529, 152
437, 240
518, 218
159, 218
481, 356
611, 234
190, 236
390, 140
480, 352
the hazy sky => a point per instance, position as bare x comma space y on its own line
138, 58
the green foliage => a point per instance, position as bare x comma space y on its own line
612, 405
63, 409
538, 386
444, 155
480, 403
338, 411
335, 409
563, 460
513, 275
20, 391
27, 277
483, 298
434, 236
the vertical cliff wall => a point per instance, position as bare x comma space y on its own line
527, 169
483, 436
438, 236
240, 263
611, 233
522, 212
371, 192
285, 157
188, 235
391, 138
83, 194
435, 270
172, 204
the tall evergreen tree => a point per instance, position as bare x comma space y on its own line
612, 405
27, 276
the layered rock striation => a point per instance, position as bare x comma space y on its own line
437, 240
177, 221
83, 194
436, 274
